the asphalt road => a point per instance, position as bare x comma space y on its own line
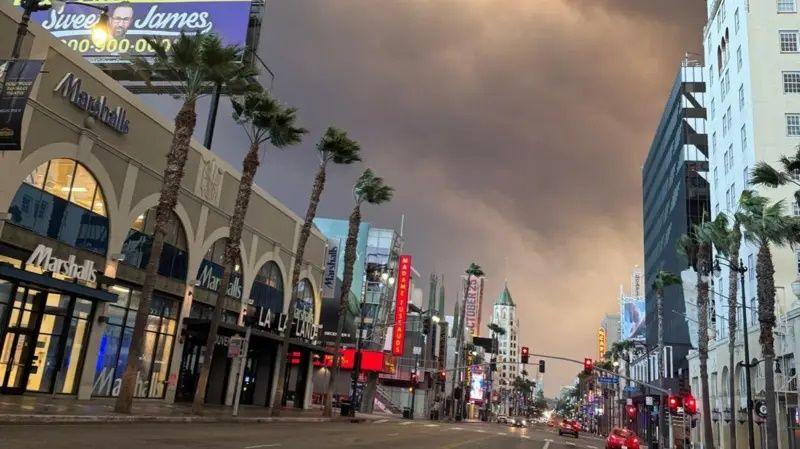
391, 434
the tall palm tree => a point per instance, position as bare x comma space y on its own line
496, 328
696, 246
768, 176
727, 239
663, 280
263, 120
765, 224
369, 189
195, 62
334, 146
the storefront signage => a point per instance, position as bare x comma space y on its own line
42, 257
16, 79
474, 287
331, 264
70, 87
210, 280
401, 304
303, 329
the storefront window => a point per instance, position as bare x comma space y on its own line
304, 304
210, 273
267, 289
174, 256
115, 343
60, 199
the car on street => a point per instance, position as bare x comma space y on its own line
518, 421
568, 427
620, 438
502, 419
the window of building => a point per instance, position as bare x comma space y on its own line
267, 289
751, 267
211, 269
793, 124
714, 141
304, 301
716, 178
725, 160
711, 110
728, 119
724, 124
115, 343
795, 209
785, 6
743, 132
711, 76
746, 177
174, 255
724, 85
61, 199
728, 199
791, 82
739, 61
788, 41
741, 97
736, 21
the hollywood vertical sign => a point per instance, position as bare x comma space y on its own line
401, 305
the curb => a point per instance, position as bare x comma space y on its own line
118, 419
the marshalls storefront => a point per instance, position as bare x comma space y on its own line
76, 220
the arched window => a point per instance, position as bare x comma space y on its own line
725, 381
304, 301
210, 273
267, 289
61, 199
174, 256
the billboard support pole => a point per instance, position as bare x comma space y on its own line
212, 115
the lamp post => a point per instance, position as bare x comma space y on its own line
100, 31
741, 270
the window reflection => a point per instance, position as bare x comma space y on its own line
174, 255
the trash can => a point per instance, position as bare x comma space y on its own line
345, 408
406, 413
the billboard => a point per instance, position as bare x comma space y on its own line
474, 287
476, 389
331, 266
633, 318
16, 79
601, 343
401, 304
131, 21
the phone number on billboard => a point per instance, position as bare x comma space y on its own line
86, 45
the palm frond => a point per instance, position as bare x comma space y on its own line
371, 188
665, 279
336, 146
766, 175
474, 270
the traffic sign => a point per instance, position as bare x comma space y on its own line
648, 400
235, 346
608, 379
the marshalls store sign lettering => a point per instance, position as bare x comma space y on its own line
70, 88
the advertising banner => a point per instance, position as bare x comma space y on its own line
476, 389
401, 304
601, 343
633, 319
331, 264
131, 21
16, 79
473, 313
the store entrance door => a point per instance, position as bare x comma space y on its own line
16, 354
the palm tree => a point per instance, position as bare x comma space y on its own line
372, 190
765, 224
768, 176
496, 328
663, 280
195, 63
334, 146
696, 246
263, 120
727, 239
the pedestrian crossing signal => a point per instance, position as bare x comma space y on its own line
524, 355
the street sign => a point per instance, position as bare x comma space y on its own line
417, 350
648, 400
761, 409
608, 379
234, 347
628, 401
631, 389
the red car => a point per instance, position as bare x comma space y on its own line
568, 427
622, 439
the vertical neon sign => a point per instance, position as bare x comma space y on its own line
401, 305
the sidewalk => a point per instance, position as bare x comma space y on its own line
48, 409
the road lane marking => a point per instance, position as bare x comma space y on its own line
431, 425
591, 447
381, 421
405, 423
457, 428
262, 445
547, 444
392, 434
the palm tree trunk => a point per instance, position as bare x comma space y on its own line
185, 122
299, 255
703, 256
733, 293
249, 168
344, 297
765, 282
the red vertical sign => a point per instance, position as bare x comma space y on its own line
401, 305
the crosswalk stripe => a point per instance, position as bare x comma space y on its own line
431, 425
381, 421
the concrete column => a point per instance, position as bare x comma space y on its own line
274, 383
86, 384
177, 350
309, 389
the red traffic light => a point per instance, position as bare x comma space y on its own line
588, 365
690, 404
631, 410
442, 376
673, 402
524, 354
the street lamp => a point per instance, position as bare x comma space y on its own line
100, 30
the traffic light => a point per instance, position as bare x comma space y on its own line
442, 376
524, 355
631, 411
414, 380
493, 366
35, 5
541, 366
588, 366
426, 325
673, 402
690, 404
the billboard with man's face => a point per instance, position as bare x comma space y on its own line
633, 319
131, 21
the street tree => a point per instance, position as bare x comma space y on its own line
766, 175
369, 189
765, 224
195, 63
726, 235
336, 147
263, 120
663, 280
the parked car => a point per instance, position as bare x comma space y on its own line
620, 438
568, 427
518, 421
502, 419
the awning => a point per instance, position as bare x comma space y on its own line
57, 285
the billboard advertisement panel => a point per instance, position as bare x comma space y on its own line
474, 287
633, 318
401, 304
476, 389
331, 266
131, 21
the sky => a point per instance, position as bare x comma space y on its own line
513, 131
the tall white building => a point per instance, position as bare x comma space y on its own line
508, 368
752, 53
